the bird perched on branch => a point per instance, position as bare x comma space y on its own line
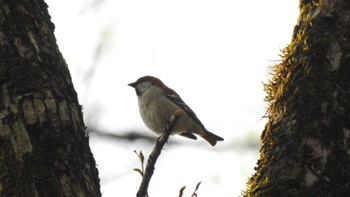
157, 103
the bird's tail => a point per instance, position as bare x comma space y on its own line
210, 137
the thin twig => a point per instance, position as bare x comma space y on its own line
195, 191
152, 159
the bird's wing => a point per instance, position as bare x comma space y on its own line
175, 98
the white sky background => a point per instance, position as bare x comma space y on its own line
214, 53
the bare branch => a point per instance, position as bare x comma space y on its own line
127, 136
152, 159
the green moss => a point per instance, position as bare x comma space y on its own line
307, 99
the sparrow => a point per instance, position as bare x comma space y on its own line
157, 103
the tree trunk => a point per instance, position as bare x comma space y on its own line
305, 144
44, 145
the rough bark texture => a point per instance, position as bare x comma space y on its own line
306, 141
44, 145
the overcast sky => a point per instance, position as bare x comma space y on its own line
215, 54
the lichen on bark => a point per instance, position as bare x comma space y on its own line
44, 145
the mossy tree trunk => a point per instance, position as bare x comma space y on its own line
44, 145
306, 142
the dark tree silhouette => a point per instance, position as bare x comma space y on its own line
44, 145
305, 149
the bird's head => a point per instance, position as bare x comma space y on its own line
144, 83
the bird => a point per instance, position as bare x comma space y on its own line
157, 103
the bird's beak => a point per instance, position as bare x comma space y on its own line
132, 84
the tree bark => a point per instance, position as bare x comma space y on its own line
44, 145
305, 144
